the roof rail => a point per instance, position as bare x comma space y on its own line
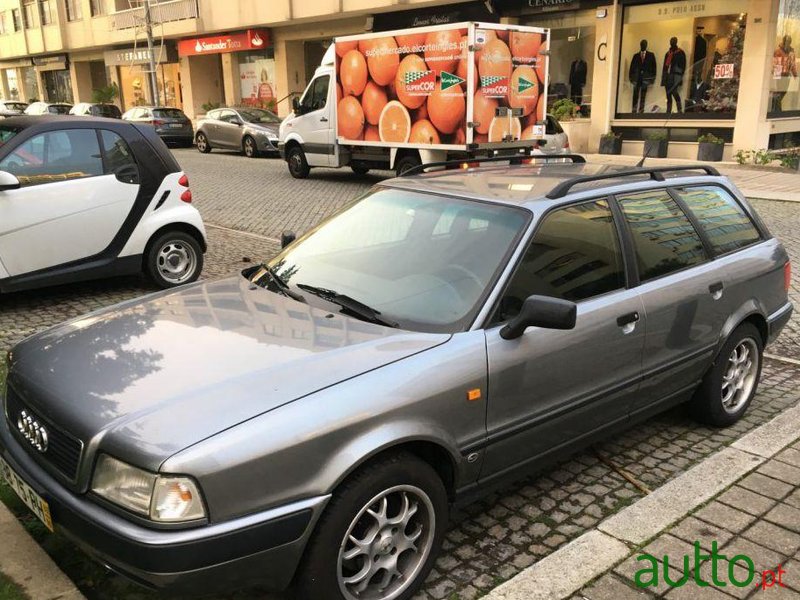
655, 173
514, 159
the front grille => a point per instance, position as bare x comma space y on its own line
63, 451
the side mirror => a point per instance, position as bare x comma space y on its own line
287, 237
541, 311
236, 121
296, 105
8, 181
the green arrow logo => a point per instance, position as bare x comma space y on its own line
523, 84
449, 80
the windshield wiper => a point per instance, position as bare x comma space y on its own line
350, 305
283, 287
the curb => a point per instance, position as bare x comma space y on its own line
615, 538
27, 565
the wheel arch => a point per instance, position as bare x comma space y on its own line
177, 226
750, 312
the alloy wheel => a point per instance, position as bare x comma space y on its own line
740, 374
202, 143
249, 147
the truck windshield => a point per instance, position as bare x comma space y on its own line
418, 261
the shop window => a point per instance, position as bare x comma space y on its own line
257, 78
13, 85
784, 83
681, 59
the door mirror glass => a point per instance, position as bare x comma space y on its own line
287, 237
541, 311
8, 181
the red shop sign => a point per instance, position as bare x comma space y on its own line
252, 39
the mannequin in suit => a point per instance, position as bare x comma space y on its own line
672, 74
577, 79
642, 74
700, 53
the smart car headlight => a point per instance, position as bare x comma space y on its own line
164, 498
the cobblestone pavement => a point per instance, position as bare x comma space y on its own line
758, 517
496, 538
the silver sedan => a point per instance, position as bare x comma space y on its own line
252, 131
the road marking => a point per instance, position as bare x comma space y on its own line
240, 232
790, 361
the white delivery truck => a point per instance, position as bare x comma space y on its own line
396, 99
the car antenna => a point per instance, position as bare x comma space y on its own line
647, 154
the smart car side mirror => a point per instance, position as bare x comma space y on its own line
8, 181
287, 237
541, 311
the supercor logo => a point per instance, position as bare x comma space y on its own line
493, 85
420, 83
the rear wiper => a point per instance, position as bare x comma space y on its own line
350, 305
283, 287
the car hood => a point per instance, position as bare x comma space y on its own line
270, 128
148, 378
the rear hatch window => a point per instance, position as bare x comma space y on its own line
107, 110
59, 109
169, 113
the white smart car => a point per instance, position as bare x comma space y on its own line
89, 198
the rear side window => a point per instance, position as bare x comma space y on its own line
663, 236
574, 255
55, 156
118, 158
722, 218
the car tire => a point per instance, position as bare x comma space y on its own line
359, 169
405, 163
414, 493
201, 141
174, 258
296, 160
249, 147
731, 382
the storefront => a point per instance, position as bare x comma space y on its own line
18, 79
130, 68
56, 81
784, 88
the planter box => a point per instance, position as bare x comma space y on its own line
710, 152
655, 148
577, 131
610, 145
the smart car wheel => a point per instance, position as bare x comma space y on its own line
298, 165
249, 146
732, 381
379, 534
202, 143
173, 259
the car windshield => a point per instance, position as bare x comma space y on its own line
256, 115
15, 105
6, 133
59, 109
168, 113
107, 110
417, 261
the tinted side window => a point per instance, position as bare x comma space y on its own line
663, 236
55, 156
317, 94
119, 160
574, 255
725, 223
226, 115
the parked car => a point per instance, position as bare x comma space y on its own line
88, 198
90, 109
311, 419
556, 140
9, 108
48, 108
252, 131
171, 124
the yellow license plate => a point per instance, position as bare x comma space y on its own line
31, 499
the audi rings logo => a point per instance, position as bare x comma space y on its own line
32, 431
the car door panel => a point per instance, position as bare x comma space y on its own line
316, 125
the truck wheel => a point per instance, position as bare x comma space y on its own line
359, 169
202, 143
298, 165
405, 163
379, 534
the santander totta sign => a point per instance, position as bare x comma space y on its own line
252, 39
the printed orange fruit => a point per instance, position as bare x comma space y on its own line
483, 110
446, 108
540, 109
382, 60
523, 91
364, 45
442, 53
371, 134
395, 123
423, 132
503, 127
353, 73
503, 34
343, 48
372, 102
541, 61
495, 60
420, 113
350, 118
338, 93
460, 134
409, 65
480, 138
411, 40
488, 35
524, 45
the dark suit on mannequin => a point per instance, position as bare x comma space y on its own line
577, 79
672, 74
642, 74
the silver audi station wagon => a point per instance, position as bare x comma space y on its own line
309, 421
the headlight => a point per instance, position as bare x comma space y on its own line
164, 498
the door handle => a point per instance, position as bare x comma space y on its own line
716, 290
628, 321
323, 119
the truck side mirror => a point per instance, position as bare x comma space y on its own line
541, 311
296, 105
287, 237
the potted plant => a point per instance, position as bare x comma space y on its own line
611, 143
710, 147
655, 144
564, 109
566, 113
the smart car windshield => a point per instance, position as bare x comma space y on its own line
413, 260
256, 115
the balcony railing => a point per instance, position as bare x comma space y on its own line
161, 12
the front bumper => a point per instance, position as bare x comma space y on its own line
259, 549
266, 145
778, 320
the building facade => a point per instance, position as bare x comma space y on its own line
684, 68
